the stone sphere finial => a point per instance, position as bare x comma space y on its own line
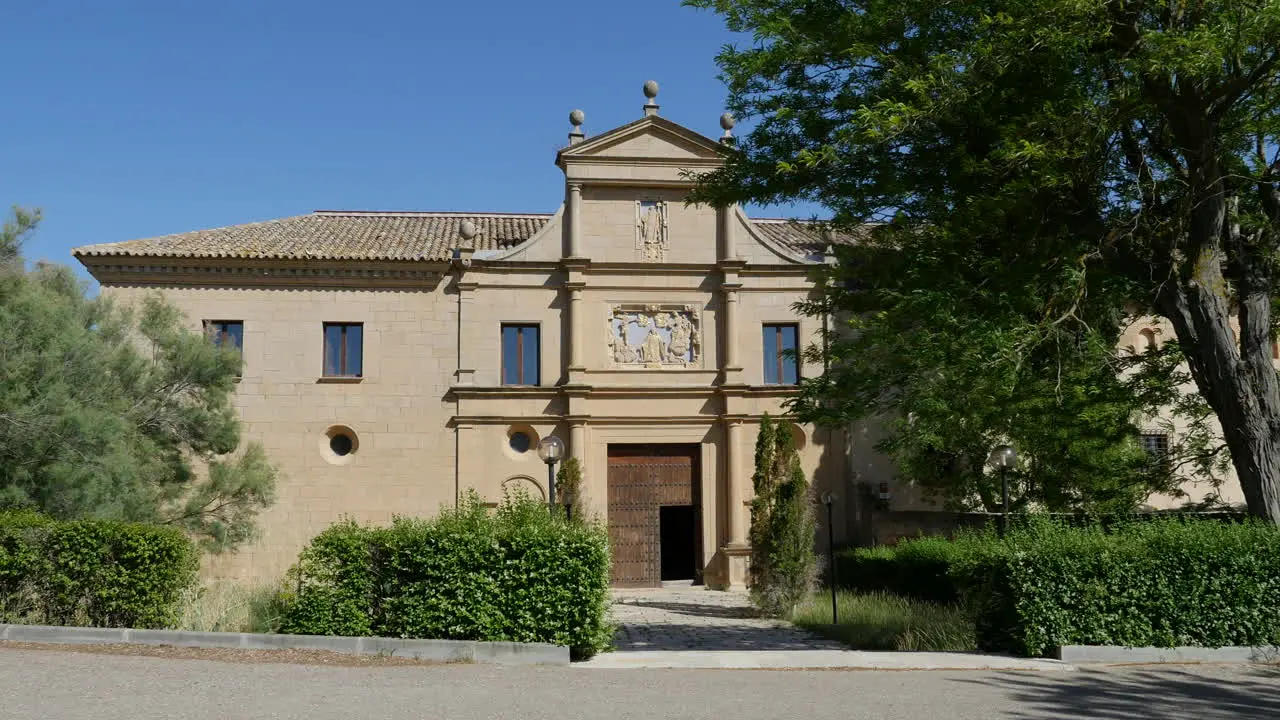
467, 230
650, 89
577, 117
727, 121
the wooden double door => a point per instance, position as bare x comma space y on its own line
655, 518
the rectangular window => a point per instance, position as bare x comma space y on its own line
1156, 445
780, 342
226, 333
520, 352
343, 350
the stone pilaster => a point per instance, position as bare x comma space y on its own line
466, 370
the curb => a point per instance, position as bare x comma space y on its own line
1154, 655
448, 651
816, 660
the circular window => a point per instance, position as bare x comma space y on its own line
341, 444
520, 442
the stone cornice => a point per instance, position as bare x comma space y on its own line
170, 271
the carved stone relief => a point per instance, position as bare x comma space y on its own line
651, 230
654, 336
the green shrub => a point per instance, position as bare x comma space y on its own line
918, 569
92, 572
516, 575
1160, 583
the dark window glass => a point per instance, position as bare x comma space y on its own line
520, 442
343, 349
780, 343
226, 333
520, 351
341, 444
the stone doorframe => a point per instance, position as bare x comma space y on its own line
708, 436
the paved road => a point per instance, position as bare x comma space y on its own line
75, 686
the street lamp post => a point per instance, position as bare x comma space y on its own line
551, 450
828, 499
1004, 458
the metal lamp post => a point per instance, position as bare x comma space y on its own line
1004, 458
828, 499
551, 450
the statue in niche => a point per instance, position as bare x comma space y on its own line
651, 231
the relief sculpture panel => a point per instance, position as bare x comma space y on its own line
654, 336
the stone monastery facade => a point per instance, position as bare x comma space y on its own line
394, 360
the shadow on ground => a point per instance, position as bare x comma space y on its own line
1140, 693
674, 637
696, 610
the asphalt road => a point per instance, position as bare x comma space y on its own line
73, 685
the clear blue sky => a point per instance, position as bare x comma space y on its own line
135, 118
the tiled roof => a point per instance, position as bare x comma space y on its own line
336, 235
802, 238
424, 236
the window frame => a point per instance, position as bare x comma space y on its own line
520, 328
1163, 442
779, 362
343, 359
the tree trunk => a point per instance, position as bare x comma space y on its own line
1240, 384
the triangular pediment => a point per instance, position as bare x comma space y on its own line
649, 138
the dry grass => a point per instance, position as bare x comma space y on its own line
880, 621
234, 607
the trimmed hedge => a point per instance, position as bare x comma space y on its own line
917, 569
516, 575
1161, 583
92, 573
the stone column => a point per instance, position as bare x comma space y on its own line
574, 210
728, 243
734, 479
578, 441
575, 329
731, 361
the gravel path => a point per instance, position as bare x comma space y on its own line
72, 685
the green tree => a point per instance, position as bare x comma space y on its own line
928, 363
107, 413
1072, 155
569, 484
783, 564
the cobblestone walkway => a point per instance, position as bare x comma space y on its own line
693, 618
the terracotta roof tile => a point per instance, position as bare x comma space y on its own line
421, 236
802, 238
336, 235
